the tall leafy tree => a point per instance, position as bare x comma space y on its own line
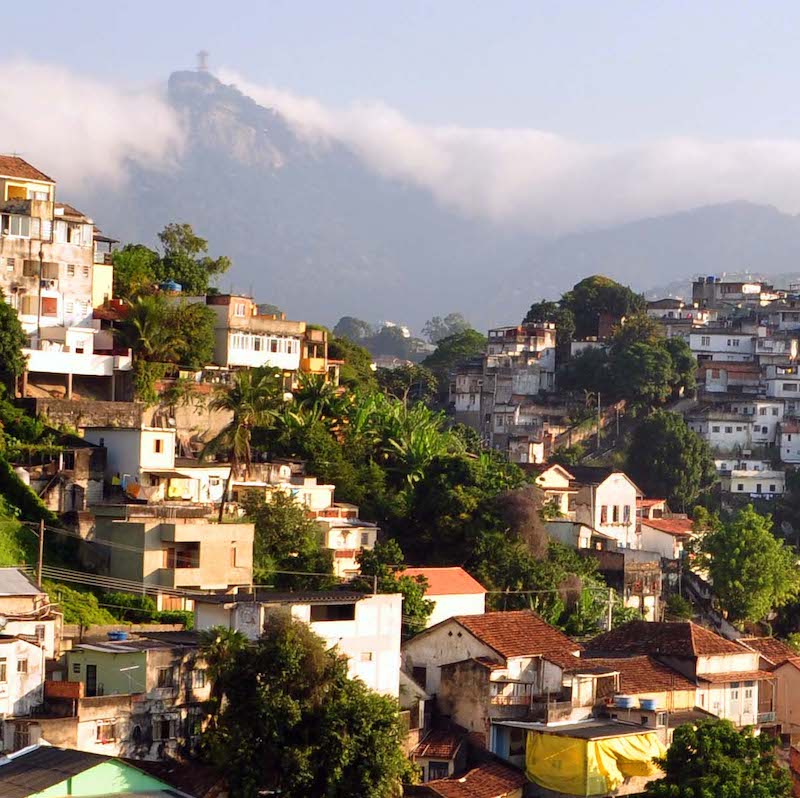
437, 328
408, 383
356, 371
562, 317
295, 725
712, 759
596, 295
12, 341
453, 350
186, 260
135, 271
643, 374
668, 460
354, 329
218, 646
752, 572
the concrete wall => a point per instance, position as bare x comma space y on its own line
457, 604
22, 690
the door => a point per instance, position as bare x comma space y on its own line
91, 680
734, 708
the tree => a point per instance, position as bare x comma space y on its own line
408, 383
562, 317
598, 295
751, 571
667, 459
684, 366
643, 374
678, 608
353, 329
286, 539
437, 328
295, 725
193, 325
453, 350
252, 400
186, 260
521, 512
356, 371
385, 563
712, 759
147, 330
135, 270
12, 342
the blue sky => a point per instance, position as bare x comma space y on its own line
601, 71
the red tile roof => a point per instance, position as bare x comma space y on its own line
649, 502
439, 745
12, 166
680, 639
491, 780
770, 648
678, 527
639, 674
735, 676
521, 633
447, 581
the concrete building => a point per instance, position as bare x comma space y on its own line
789, 441
170, 551
452, 590
606, 502
727, 673
715, 292
667, 536
715, 377
364, 628
753, 483
722, 344
725, 432
28, 613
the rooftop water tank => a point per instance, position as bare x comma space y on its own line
624, 701
171, 286
120, 634
648, 704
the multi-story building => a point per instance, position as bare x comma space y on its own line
496, 394
364, 628
723, 345
714, 292
169, 550
452, 590
47, 273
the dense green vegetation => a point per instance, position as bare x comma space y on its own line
712, 759
12, 341
293, 723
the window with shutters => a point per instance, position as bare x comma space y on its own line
49, 306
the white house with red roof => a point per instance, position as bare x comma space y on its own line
666, 536
453, 592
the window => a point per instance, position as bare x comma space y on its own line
762, 411
758, 487
772, 489
239, 309
163, 728
106, 731
199, 678
22, 735
70, 270
3, 670
715, 429
740, 486
705, 340
85, 271
420, 675
739, 429
22, 666
41, 632
166, 677
765, 430
603, 514
257, 344
76, 667
49, 306
10, 264
332, 612
19, 226
790, 387
273, 344
438, 770
626, 514
615, 514
364, 539
47, 229
366, 656
158, 445
728, 430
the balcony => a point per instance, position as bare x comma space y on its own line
766, 717
313, 365
510, 700
103, 258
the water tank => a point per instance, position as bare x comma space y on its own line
624, 701
710, 278
23, 475
120, 634
647, 703
171, 286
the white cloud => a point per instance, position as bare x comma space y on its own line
80, 130
540, 179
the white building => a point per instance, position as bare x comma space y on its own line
666, 536
26, 611
606, 501
783, 382
766, 415
723, 345
22, 675
144, 460
453, 592
753, 479
724, 432
789, 441
365, 628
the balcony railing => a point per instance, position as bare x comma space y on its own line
511, 700
766, 717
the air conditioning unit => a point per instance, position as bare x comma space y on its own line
746, 452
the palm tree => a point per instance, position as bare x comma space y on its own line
218, 646
146, 330
253, 400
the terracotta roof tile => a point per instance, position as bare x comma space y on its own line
678, 527
735, 676
770, 648
12, 166
681, 639
439, 745
639, 674
491, 780
447, 581
521, 633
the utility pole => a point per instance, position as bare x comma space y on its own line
598, 421
610, 608
41, 553
39, 302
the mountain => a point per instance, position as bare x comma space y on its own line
312, 229
308, 226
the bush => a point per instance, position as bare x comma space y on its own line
678, 608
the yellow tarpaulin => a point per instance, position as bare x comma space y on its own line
590, 767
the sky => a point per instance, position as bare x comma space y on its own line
565, 113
